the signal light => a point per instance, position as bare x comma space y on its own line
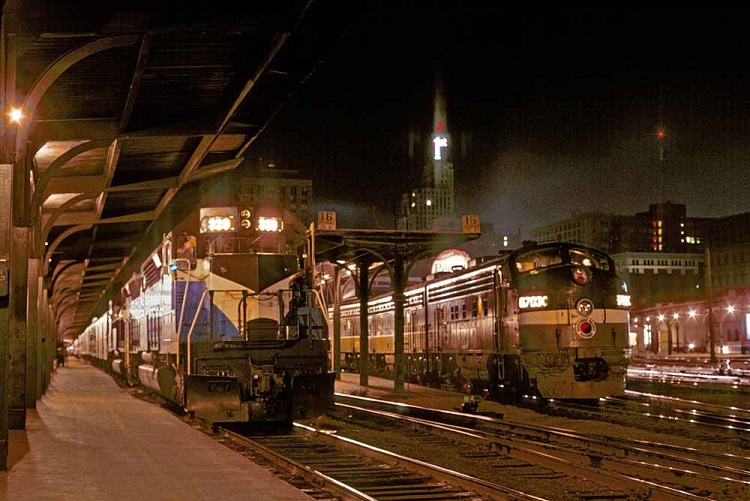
660, 134
246, 222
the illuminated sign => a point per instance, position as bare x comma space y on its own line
470, 224
532, 302
623, 300
439, 142
326, 220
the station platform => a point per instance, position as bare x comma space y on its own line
88, 439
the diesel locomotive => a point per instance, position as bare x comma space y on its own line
548, 321
222, 320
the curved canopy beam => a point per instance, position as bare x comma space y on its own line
58, 165
64, 63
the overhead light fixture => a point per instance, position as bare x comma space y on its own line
15, 115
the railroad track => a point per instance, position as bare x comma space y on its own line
668, 414
722, 418
641, 467
350, 469
612, 467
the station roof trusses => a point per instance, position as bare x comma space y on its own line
126, 103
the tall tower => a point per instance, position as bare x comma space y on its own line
661, 137
431, 205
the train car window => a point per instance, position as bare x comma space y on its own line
538, 259
587, 258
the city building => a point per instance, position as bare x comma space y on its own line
592, 229
266, 183
665, 227
675, 324
729, 248
660, 277
492, 243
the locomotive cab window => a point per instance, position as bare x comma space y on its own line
588, 258
538, 259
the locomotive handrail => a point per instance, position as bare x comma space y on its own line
192, 326
182, 310
324, 308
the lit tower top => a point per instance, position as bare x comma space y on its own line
442, 167
439, 134
431, 206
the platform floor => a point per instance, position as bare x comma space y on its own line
90, 440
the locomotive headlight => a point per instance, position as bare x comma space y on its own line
215, 224
270, 224
246, 224
623, 300
581, 275
585, 307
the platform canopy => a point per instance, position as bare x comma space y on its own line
397, 250
354, 245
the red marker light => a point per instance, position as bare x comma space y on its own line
586, 328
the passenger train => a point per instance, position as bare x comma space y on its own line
548, 320
222, 320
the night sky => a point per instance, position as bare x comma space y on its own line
556, 110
